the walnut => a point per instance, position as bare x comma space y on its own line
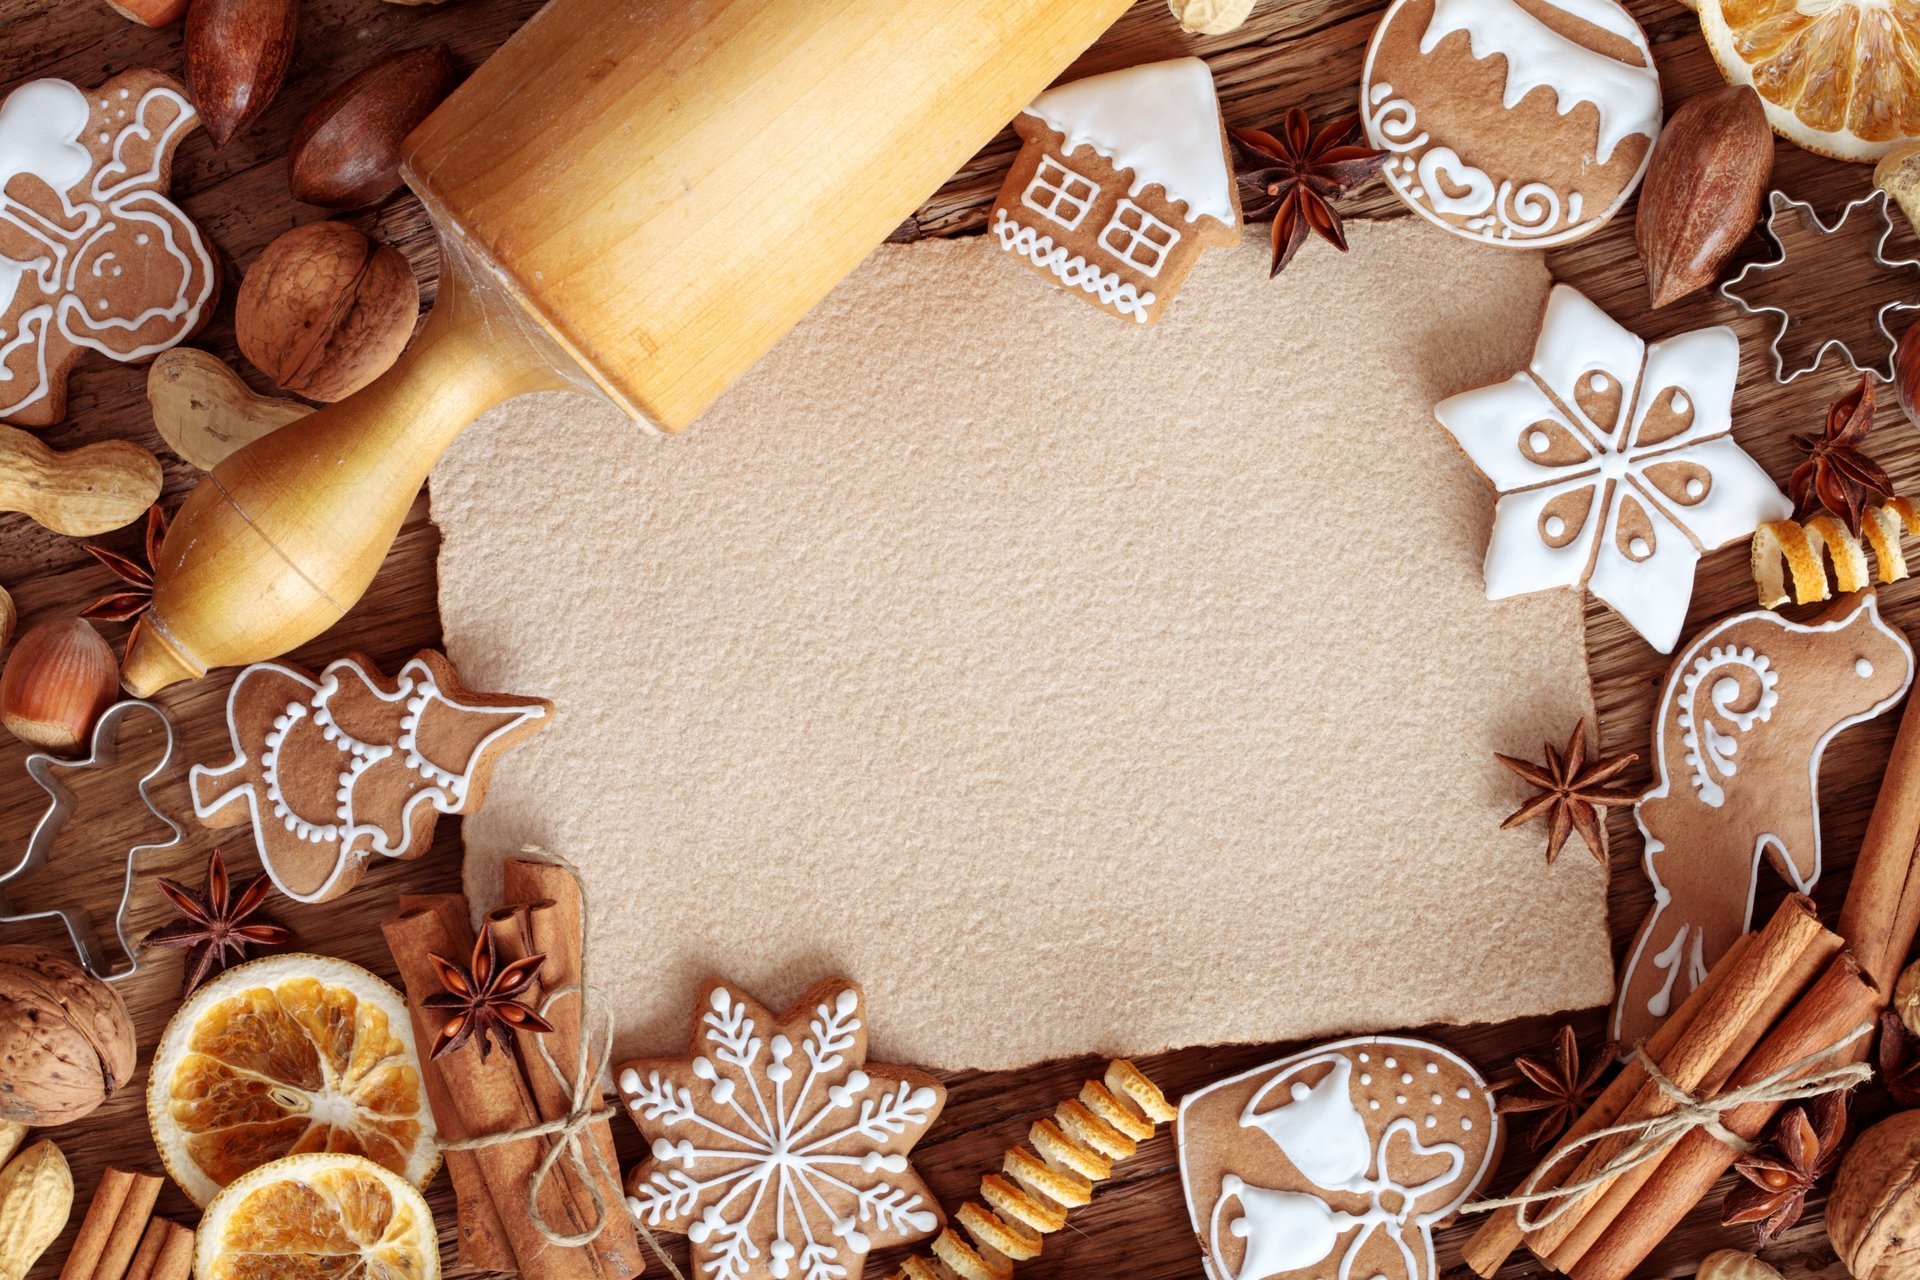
324, 310
1731, 1264
1906, 998
66, 1042
1873, 1215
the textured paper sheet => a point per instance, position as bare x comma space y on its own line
1072, 685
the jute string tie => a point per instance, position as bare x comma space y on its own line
1655, 1136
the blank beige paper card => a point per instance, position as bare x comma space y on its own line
1074, 686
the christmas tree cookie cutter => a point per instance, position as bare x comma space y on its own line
42, 768
1782, 206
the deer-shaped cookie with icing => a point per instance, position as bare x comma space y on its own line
1745, 714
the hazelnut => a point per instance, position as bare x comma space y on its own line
1873, 1215
324, 310
58, 679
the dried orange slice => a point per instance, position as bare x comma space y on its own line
1838, 77
338, 1216
290, 1054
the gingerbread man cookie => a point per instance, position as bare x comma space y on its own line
1515, 122
778, 1149
338, 768
1355, 1150
1745, 714
93, 255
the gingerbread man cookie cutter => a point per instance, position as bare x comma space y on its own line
1779, 204
103, 753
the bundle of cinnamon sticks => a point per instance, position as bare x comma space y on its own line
498, 1186
1779, 997
120, 1239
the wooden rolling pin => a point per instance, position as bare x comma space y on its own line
639, 196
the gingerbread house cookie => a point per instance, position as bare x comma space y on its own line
1515, 122
93, 255
1121, 180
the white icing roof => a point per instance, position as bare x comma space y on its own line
1161, 120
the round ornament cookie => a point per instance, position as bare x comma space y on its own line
1516, 122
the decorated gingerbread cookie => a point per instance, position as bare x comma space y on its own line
1518, 122
1339, 1161
93, 256
778, 1149
335, 769
1120, 182
1745, 714
1614, 463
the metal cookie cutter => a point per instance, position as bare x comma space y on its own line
41, 767
1779, 204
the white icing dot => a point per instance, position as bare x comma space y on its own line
101, 305
1373, 1104
1696, 487
1401, 1099
1679, 401
1364, 1058
103, 138
1538, 441
1433, 1068
1598, 382
1437, 1100
1391, 1064
142, 238
125, 94
1366, 1079
1465, 1123
1862, 668
1462, 1093
1406, 1079
1639, 549
1432, 1121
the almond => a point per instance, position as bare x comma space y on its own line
346, 152
237, 54
1703, 190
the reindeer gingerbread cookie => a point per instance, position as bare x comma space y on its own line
93, 255
334, 769
1339, 1161
1745, 714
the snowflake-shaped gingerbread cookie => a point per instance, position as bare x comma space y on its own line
1614, 464
93, 255
778, 1149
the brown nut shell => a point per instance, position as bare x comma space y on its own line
1703, 189
237, 54
60, 676
66, 1042
150, 13
346, 152
1873, 1215
324, 310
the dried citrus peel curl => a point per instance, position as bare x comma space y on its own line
1801, 548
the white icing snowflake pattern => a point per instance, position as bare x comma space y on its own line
777, 1148
1614, 464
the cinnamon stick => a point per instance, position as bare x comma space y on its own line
141, 1268
482, 1240
1841, 1000
1786, 994
1881, 916
116, 1219
1489, 1248
1721, 1025
128, 1227
489, 1096
555, 923
176, 1256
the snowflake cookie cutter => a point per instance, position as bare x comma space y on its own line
1779, 204
103, 753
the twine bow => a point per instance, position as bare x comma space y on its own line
1653, 1137
585, 1106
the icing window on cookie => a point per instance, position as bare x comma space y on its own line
1060, 193
1138, 238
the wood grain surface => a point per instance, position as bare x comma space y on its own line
1292, 51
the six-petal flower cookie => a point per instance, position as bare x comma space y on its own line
778, 1148
1614, 464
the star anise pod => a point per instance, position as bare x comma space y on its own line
219, 924
1807, 1142
481, 996
1562, 1091
1898, 1056
132, 601
1296, 174
1570, 792
1836, 475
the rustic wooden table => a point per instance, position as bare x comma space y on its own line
1305, 52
